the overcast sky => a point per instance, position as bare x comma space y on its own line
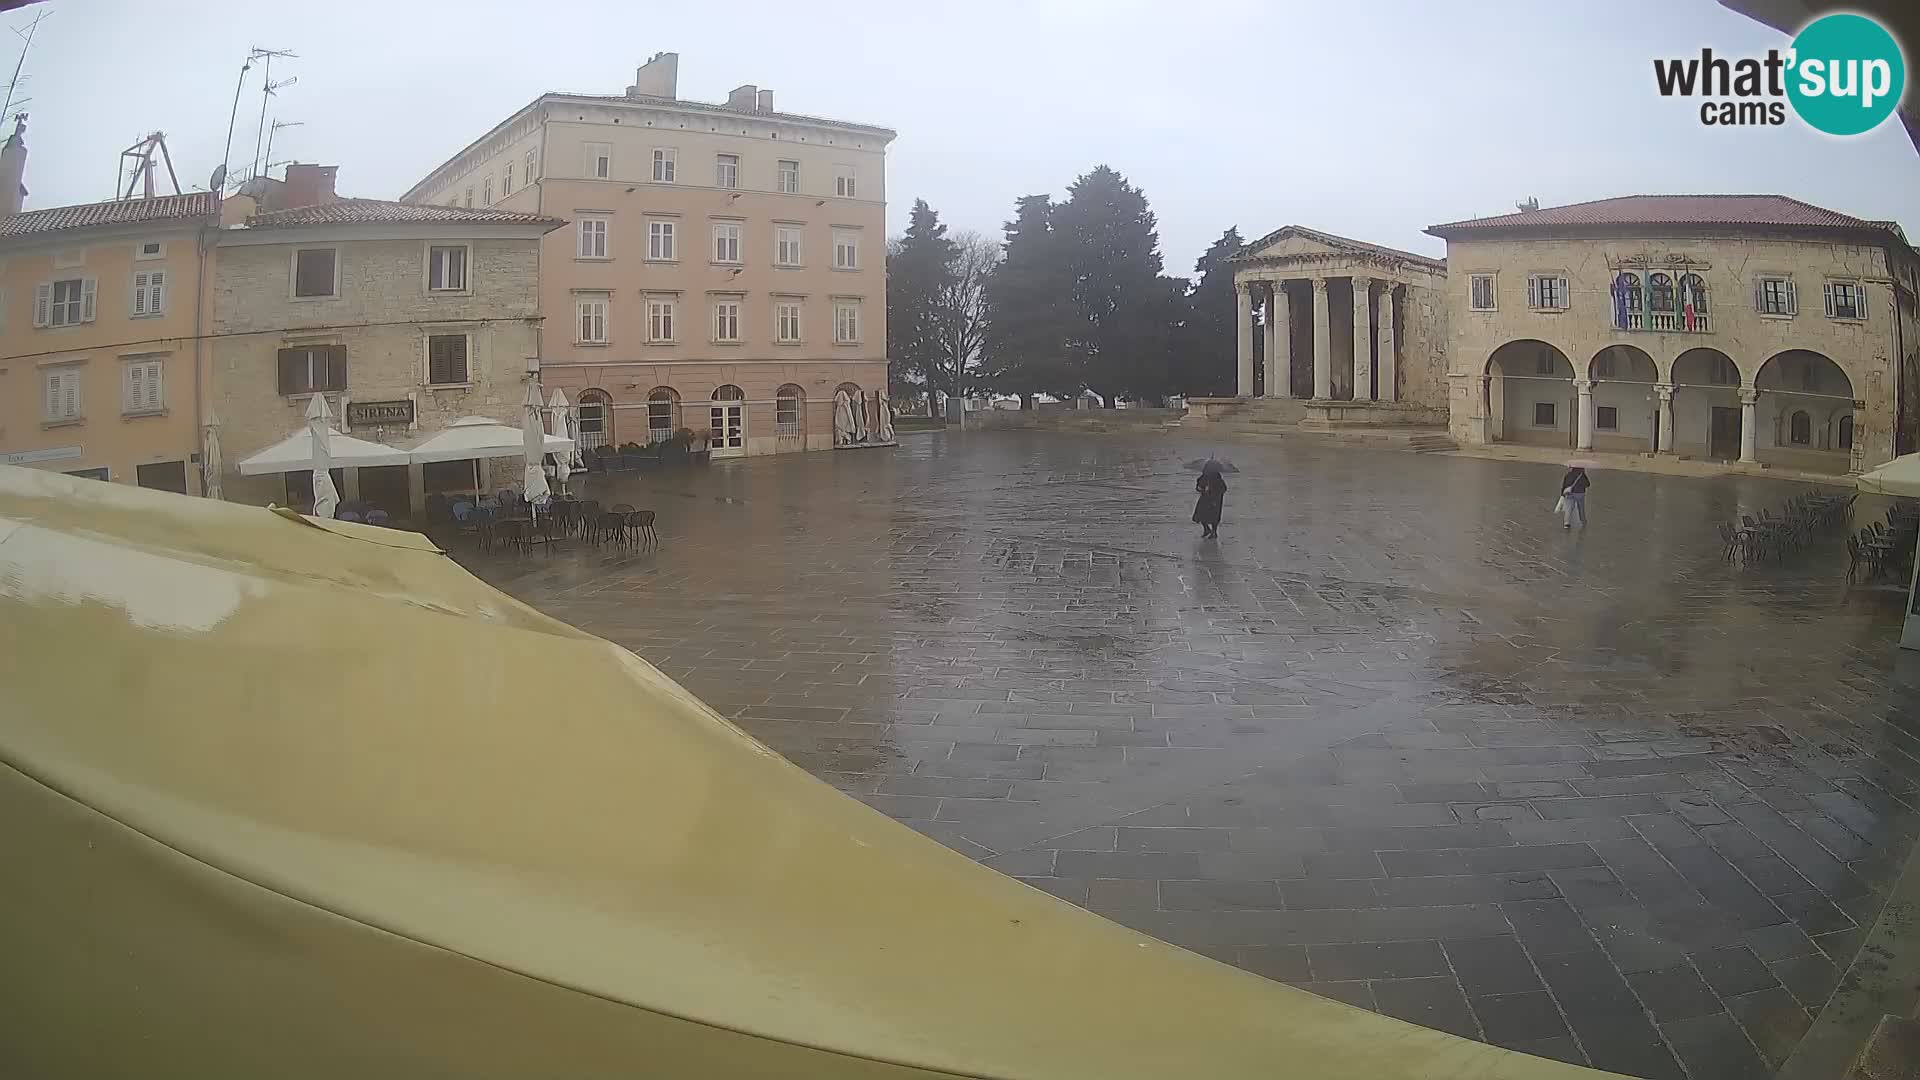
1372, 120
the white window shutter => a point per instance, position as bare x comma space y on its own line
53, 395
1828, 288
1860, 301
1533, 291
70, 396
1793, 303
86, 300
156, 286
135, 393
1760, 294
42, 301
153, 385
1566, 296
139, 294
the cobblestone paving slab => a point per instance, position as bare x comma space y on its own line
1396, 738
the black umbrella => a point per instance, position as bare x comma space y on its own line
1216, 464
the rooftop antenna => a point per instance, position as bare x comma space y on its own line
267, 165
13, 84
142, 155
267, 89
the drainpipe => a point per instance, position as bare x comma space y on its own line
202, 245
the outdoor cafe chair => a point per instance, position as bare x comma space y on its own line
641, 523
613, 526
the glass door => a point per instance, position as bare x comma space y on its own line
728, 437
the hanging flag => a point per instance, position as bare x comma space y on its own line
1620, 301
1686, 303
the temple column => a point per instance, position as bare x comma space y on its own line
1388, 365
1664, 420
1749, 438
1322, 329
1279, 342
1362, 340
1583, 431
1243, 308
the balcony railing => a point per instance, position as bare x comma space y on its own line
1663, 322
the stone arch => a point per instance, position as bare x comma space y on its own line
1529, 394
1626, 408
1801, 399
593, 415
663, 413
1708, 417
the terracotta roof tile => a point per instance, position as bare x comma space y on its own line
160, 208
1757, 210
384, 212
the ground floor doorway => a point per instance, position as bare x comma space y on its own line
163, 476
1723, 437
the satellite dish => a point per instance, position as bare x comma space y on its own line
219, 178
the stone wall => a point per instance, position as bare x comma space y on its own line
383, 315
1421, 334
1060, 419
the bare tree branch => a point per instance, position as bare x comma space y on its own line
963, 308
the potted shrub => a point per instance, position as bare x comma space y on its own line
629, 455
696, 444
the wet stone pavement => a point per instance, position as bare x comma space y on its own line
1396, 738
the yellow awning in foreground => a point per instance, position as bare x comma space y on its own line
286, 801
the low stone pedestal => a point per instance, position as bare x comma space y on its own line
1329, 415
1214, 408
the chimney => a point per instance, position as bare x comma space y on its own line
764, 101
658, 77
743, 97
310, 185
13, 168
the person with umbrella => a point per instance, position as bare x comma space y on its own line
1573, 493
1212, 487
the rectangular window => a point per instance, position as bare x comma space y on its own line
1543, 363
726, 242
486, 192
726, 171
786, 245
1480, 286
447, 360
664, 160
1606, 418
149, 292
786, 322
1547, 292
660, 321
786, 415
788, 177
726, 321
469, 198
592, 317
1774, 296
846, 250
143, 392
63, 394
314, 272
1846, 300
660, 240
313, 369
447, 268
593, 237
846, 323
67, 302
150, 249
1543, 414
506, 181
600, 160
1603, 366
659, 418
1723, 373
532, 158
844, 185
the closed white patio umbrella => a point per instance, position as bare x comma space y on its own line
563, 464
325, 499
210, 463
533, 437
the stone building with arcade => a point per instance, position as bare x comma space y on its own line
1750, 328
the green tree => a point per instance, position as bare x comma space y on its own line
1206, 355
919, 274
1119, 334
1029, 309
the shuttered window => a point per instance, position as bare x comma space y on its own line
1774, 296
312, 369
1480, 289
150, 292
1547, 292
1846, 300
63, 394
447, 359
68, 302
142, 383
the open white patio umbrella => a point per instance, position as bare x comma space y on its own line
563, 464
210, 463
533, 439
1901, 477
472, 438
295, 454
325, 499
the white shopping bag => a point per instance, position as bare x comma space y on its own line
1560, 507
